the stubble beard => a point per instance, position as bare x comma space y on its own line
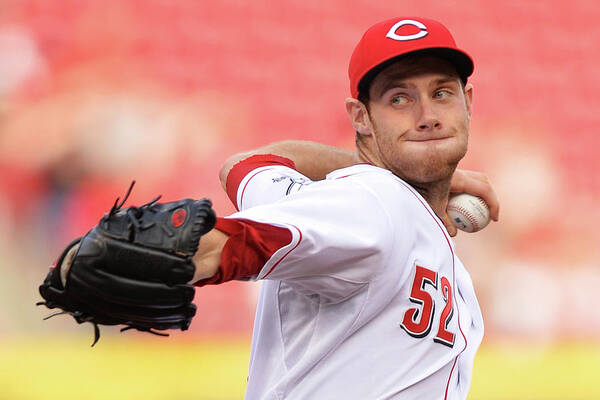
426, 167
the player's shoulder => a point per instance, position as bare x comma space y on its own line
398, 200
382, 183
363, 172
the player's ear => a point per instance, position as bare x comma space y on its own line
359, 116
469, 98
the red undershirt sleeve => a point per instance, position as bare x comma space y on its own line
242, 168
250, 245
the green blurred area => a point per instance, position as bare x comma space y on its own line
132, 368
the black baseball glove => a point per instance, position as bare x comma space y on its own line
133, 268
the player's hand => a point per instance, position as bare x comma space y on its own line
133, 268
477, 184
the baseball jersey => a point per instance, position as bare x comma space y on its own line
367, 301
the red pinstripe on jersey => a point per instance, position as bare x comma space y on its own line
286, 254
238, 206
437, 221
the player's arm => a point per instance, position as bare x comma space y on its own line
208, 256
269, 173
237, 248
311, 159
315, 160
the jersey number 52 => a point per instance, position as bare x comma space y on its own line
417, 321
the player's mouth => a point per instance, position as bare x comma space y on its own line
428, 139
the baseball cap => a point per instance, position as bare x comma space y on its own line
387, 41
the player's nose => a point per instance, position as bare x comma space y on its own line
427, 119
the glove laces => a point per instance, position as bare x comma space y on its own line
133, 213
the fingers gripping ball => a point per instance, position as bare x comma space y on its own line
133, 268
468, 213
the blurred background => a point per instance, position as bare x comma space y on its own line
96, 93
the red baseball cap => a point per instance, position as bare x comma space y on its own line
383, 43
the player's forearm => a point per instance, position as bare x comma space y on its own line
236, 249
314, 160
208, 256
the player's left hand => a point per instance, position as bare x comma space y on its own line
477, 184
133, 268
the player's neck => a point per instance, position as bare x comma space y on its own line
435, 193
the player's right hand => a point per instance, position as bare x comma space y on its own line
477, 184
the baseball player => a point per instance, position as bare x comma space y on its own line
363, 295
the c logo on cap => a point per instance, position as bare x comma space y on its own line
393, 35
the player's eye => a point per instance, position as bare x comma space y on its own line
399, 100
442, 94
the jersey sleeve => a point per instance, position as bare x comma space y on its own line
263, 179
340, 236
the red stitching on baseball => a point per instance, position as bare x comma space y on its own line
467, 215
483, 203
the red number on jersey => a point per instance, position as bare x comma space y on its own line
417, 321
444, 336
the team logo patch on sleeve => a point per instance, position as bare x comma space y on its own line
295, 184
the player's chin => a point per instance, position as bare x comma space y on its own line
434, 166
434, 172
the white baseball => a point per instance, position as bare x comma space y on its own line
469, 213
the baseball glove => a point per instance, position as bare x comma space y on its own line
133, 268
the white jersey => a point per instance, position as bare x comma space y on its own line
368, 301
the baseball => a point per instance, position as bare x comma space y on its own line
469, 213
